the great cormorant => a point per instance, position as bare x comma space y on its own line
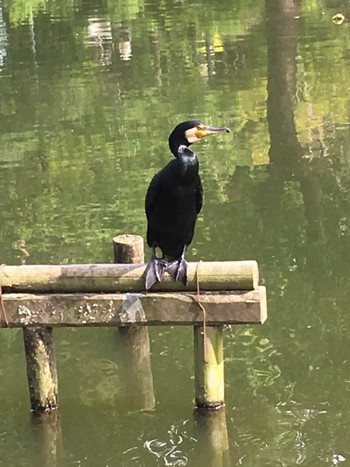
173, 201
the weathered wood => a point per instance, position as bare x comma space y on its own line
109, 278
209, 367
128, 249
47, 435
211, 433
235, 307
41, 368
137, 376
136, 353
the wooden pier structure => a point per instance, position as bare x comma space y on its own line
39, 298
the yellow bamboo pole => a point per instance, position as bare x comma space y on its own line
209, 367
109, 278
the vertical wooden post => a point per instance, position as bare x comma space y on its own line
209, 367
213, 445
41, 368
48, 435
135, 339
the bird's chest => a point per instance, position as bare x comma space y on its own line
182, 197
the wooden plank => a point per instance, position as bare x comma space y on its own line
235, 307
109, 278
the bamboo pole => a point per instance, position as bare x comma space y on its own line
41, 368
209, 367
109, 278
135, 339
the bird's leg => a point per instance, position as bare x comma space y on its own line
182, 269
154, 270
178, 268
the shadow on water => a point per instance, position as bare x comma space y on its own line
300, 202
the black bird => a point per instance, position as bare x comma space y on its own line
173, 201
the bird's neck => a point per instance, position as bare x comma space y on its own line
187, 162
177, 144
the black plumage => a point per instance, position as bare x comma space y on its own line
173, 202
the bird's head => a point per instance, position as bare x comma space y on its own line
190, 132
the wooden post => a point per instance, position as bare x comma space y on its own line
135, 339
48, 435
212, 436
209, 367
41, 368
128, 249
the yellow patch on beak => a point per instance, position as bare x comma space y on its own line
200, 133
196, 133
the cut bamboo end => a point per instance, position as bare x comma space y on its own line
128, 249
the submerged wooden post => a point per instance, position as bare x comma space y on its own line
41, 368
209, 367
48, 435
135, 339
213, 445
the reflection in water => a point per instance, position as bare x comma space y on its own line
47, 428
213, 445
22, 247
122, 38
88, 90
3, 38
100, 36
105, 36
174, 448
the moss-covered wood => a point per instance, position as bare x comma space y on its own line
109, 278
235, 307
41, 368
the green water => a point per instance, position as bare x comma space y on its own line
89, 92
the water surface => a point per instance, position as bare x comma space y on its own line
89, 92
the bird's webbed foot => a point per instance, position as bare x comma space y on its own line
154, 270
178, 270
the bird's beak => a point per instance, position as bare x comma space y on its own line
205, 130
